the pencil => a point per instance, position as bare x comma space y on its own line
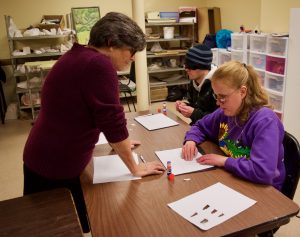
142, 159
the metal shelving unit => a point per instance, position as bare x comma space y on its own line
34, 42
173, 49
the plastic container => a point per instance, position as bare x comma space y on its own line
275, 65
274, 82
276, 101
238, 56
277, 45
258, 43
223, 56
237, 41
168, 32
174, 15
215, 52
257, 60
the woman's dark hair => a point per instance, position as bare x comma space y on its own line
117, 30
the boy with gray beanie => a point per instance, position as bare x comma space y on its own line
200, 94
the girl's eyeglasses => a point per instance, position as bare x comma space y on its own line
222, 98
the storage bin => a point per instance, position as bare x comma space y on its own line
237, 41
238, 56
223, 56
257, 60
215, 52
275, 65
158, 93
276, 101
274, 82
168, 32
57, 20
277, 45
258, 43
174, 15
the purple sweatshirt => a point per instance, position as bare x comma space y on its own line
255, 150
80, 99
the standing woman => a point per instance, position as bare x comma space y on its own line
80, 99
245, 128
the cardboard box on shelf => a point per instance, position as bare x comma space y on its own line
52, 21
158, 93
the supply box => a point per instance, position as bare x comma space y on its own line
52, 21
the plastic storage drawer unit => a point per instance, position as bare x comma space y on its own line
277, 46
257, 60
274, 82
238, 56
275, 65
215, 52
224, 56
276, 101
237, 41
258, 43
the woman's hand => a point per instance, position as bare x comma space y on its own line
189, 150
212, 159
134, 143
149, 168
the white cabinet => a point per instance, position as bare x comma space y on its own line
27, 49
291, 107
166, 65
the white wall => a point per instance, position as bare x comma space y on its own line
292, 93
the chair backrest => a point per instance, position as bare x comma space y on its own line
292, 165
132, 72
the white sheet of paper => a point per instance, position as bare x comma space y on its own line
221, 200
112, 169
155, 121
179, 165
102, 139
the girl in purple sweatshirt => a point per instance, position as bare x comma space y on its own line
245, 127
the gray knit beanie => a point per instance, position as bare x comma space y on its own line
199, 57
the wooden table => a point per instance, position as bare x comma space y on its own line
51, 213
139, 208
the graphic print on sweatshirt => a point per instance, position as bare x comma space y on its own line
232, 148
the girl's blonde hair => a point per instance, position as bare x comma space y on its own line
236, 74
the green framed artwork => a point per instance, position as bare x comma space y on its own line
83, 19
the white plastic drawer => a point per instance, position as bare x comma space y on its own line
238, 56
274, 82
224, 56
258, 43
237, 41
277, 45
276, 101
257, 60
215, 52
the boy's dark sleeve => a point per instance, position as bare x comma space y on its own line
205, 104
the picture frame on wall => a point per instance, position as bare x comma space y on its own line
83, 19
